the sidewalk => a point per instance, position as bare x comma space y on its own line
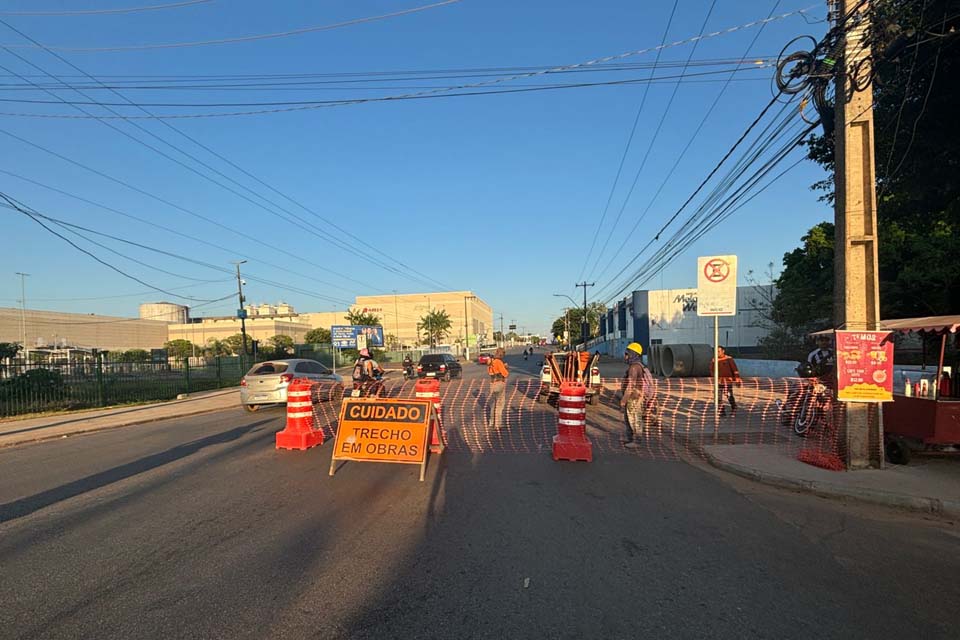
929, 485
14, 432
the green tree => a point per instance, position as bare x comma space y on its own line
282, 345
9, 350
216, 348
235, 343
575, 315
358, 317
135, 355
435, 326
317, 336
179, 348
916, 153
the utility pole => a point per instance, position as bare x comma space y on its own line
241, 311
503, 340
856, 302
466, 327
585, 325
23, 312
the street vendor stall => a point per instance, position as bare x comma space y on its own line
925, 412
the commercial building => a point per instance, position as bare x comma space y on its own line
400, 315
165, 311
669, 316
46, 329
199, 333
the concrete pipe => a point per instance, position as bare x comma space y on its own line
677, 360
656, 359
702, 355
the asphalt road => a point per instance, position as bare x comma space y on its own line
199, 528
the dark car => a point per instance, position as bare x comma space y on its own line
439, 365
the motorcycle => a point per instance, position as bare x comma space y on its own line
409, 372
809, 406
372, 388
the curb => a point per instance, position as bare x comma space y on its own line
132, 422
932, 506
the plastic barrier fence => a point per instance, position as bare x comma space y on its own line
791, 413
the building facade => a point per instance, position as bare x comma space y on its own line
400, 314
199, 333
669, 316
88, 331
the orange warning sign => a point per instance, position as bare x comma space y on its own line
382, 430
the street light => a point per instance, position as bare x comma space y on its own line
466, 328
567, 312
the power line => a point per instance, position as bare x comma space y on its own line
653, 141
253, 38
345, 101
33, 217
626, 149
585, 64
687, 146
95, 12
325, 236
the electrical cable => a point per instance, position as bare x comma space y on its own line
683, 152
653, 141
626, 149
578, 65
253, 38
94, 12
16, 206
325, 236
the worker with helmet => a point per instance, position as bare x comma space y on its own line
637, 386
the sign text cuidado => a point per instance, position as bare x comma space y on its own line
383, 430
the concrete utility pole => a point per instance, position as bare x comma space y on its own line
23, 312
466, 327
241, 312
503, 338
585, 325
856, 302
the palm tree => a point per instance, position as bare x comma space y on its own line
435, 326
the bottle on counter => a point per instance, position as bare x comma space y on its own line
908, 389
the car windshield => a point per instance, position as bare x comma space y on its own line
266, 368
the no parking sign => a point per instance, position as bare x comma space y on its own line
717, 286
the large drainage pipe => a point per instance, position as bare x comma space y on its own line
686, 360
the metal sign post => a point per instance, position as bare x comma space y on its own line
716, 296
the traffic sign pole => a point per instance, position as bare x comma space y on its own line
716, 368
716, 296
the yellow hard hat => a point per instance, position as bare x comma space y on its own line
636, 348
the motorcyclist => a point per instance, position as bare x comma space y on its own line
366, 371
408, 366
821, 359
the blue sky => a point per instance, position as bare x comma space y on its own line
500, 194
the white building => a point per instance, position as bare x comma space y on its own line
669, 316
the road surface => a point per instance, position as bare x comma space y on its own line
199, 528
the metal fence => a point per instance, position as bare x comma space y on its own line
29, 387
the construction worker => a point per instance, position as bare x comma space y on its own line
498, 388
729, 375
637, 385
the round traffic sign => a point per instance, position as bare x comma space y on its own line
716, 270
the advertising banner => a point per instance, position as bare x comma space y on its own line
864, 366
345, 336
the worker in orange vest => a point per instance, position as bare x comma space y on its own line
729, 375
498, 389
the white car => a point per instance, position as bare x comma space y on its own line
267, 382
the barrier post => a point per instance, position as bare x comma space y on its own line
571, 441
299, 433
429, 389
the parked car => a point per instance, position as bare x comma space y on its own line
267, 382
439, 365
484, 358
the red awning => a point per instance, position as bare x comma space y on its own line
930, 324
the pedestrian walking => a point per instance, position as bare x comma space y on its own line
636, 387
498, 389
729, 375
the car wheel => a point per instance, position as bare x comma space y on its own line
251, 408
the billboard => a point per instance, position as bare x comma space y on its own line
345, 336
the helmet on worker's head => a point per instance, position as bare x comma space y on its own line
636, 347
365, 353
